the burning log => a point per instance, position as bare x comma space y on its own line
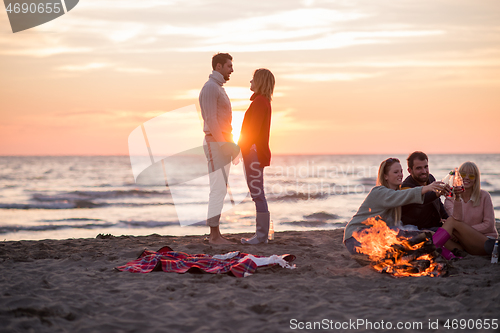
422, 237
400, 248
398, 255
425, 249
405, 269
422, 265
414, 243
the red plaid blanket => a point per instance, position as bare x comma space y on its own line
168, 260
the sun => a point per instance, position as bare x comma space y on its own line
236, 124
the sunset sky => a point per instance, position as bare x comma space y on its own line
352, 77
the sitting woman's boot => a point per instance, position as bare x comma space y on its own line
439, 238
447, 254
262, 229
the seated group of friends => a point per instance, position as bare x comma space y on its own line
466, 220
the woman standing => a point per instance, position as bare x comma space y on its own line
254, 145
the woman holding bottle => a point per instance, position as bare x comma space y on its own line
472, 210
254, 145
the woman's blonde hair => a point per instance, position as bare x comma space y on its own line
263, 81
471, 167
382, 171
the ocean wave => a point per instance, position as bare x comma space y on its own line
134, 204
321, 216
299, 196
49, 227
125, 224
495, 192
77, 204
339, 190
368, 181
88, 199
90, 195
149, 224
313, 223
72, 219
53, 205
309, 224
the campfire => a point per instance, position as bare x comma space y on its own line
397, 255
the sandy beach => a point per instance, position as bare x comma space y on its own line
72, 286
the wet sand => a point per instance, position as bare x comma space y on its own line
71, 286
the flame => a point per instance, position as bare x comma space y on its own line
394, 254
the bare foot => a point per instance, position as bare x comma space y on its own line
215, 237
219, 240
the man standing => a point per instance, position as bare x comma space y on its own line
218, 144
429, 214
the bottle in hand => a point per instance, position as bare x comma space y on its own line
448, 180
457, 179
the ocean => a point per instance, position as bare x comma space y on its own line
60, 197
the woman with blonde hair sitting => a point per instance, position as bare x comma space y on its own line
473, 214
